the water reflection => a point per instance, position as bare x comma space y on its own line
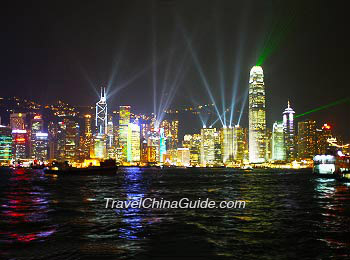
334, 199
24, 204
134, 189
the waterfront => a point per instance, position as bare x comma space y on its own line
288, 215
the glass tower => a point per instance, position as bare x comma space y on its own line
278, 151
257, 120
101, 113
289, 134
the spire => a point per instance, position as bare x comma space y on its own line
288, 104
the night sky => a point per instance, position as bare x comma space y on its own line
53, 50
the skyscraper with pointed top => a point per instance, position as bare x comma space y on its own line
101, 113
289, 133
257, 119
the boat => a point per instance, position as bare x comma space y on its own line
106, 167
332, 165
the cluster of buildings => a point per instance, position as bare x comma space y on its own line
288, 141
86, 139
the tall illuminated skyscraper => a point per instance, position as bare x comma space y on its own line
195, 149
239, 144
87, 138
36, 126
227, 144
124, 120
278, 151
40, 151
257, 120
289, 133
19, 144
133, 143
207, 148
101, 113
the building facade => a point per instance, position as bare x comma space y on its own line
257, 119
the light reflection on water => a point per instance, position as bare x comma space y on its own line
67, 215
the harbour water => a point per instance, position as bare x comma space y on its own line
288, 215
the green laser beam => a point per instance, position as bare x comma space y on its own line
275, 37
338, 102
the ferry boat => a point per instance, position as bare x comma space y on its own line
334, 166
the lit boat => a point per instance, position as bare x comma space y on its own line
335, 166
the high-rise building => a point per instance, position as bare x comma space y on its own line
67, 140
162, 144
307, 139
17, 121
19, 144
153, 146
268, 141
133, 143
195, 148
36, 126
207, 149
240, 144
175, 133
171, 130
101, 113
186, 143
87, 138
323, 135
227, 144
289, 133
257, 120
40, 144
183, 157
278, 151
110, 138
99, 144
124, 120
5, 145
53, 141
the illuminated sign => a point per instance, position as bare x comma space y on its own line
41, 134
326, 127
19, 131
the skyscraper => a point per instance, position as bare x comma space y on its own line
227, 144
239, 144
257, 120
195, 148
36, 126
124, 120
278, 151
133, 143
67, 140
19, 144
323, 135
207, 148
40, 145
101, 113
307, 141
289, 133
87, 138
